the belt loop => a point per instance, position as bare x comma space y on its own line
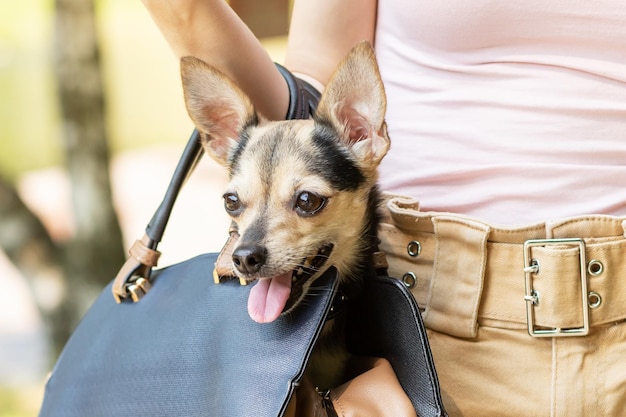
458, 275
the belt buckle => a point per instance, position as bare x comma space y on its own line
531, 297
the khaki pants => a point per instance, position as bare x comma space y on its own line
485, 289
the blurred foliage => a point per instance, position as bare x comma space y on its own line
23, 402
144, 98
27, 111
143, 92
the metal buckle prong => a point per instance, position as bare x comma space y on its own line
532, 298
533, 266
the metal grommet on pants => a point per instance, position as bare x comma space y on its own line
409, 279
414, 248
595, 267
594, 299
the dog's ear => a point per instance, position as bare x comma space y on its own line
354, 102
216, 105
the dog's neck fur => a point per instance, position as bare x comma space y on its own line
364, 267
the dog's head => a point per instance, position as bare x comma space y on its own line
298, 189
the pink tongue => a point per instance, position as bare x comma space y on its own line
268, 297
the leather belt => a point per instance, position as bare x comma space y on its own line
558, 278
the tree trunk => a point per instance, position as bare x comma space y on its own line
95, 253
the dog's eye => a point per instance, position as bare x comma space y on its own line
308, 203
232, 204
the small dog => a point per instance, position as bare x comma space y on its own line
302, 193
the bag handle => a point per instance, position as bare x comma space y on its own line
132, 281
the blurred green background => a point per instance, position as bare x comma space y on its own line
144, 110
144, 101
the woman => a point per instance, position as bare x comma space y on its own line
512, 116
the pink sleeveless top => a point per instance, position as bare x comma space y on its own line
509, 111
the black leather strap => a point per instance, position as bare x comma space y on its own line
303, 97
190, 157
135, 267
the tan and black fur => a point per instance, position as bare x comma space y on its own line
302, 192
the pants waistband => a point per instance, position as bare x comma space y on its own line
569, 274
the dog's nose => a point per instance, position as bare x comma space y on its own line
248, 259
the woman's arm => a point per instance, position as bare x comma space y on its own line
212, 31
323, 31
